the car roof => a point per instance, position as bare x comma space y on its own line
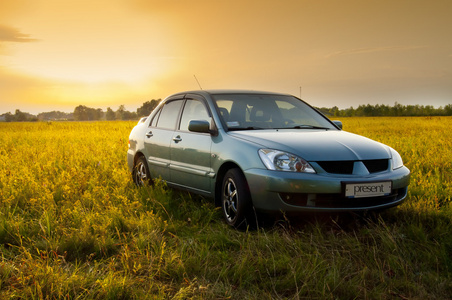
225, 91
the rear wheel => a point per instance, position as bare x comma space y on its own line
236, 200
141, 175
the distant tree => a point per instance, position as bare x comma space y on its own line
397, 109
83, 113
20, 116
129, 115
54, 115
110, 115
147, 107
448, 110
92, 114
349, 112
368, 110
335, 111
9, 117
123, 114
120, 112
99, 114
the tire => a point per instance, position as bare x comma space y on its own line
236, 199
141, 175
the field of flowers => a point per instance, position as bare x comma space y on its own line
73, 226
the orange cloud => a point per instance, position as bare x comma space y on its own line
373, 50
11, 34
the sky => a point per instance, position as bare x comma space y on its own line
58, 54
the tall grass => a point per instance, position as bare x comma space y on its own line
425, 144
72, 225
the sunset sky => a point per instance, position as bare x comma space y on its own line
57, 54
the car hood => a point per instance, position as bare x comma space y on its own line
317, 145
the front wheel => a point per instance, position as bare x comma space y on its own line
141, 175
236, 199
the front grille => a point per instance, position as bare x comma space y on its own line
337, 167
346, 166
376, 165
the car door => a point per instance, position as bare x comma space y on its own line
158, 139
190, 151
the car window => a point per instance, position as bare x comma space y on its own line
193, 110
249, 111
298, 115
168, 115
155, 118
242, 111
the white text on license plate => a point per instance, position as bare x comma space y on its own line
368, 189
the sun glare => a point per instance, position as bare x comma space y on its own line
90, 68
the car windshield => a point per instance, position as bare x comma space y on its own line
261, 111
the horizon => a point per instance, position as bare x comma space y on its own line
104, 110
56, 55
132, 110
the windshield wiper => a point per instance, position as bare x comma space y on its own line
246, 128
309, 127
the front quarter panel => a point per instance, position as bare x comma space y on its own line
229, 149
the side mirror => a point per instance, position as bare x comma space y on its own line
201, 126
338, 124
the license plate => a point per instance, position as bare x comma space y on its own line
368, 189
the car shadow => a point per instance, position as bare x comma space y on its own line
344, 221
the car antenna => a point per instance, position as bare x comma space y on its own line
197, 82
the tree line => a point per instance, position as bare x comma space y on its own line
84, 113
18, 116
381, 110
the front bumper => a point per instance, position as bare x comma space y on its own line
130, 159
299, 192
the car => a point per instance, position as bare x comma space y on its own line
253, 151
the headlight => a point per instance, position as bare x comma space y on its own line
396, 159
283, 161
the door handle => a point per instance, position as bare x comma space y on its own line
177, 139
149, 134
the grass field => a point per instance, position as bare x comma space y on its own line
73, 226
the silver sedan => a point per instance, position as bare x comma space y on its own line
259, 151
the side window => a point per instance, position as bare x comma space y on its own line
168, 115
193, 110
155, 119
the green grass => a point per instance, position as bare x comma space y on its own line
73, 226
